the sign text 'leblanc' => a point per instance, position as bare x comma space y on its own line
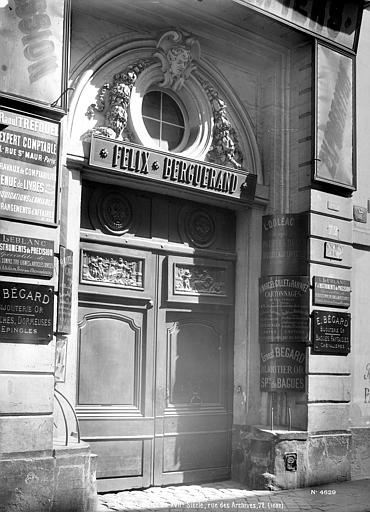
141, 162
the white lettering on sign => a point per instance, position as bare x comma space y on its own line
334, 20
39, 48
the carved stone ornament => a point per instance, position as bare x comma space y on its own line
114, 99
177, 54
110, 269
199, 280
114, 212
200, 227
225, 149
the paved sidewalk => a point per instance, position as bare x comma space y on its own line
353, 496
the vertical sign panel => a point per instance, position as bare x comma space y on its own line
65, 290
32, 48
28, 167
284, 244
334, 158
283, 309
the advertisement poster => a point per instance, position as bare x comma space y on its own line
284, 244
283, 309
337, 21
334, 159
331, 332
26, 313
28, 167
31, 42
27, 256
283, 367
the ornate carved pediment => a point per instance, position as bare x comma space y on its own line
178, 54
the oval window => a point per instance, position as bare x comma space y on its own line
163, 120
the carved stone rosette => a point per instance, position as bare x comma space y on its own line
199, 280
200, 227
109, 269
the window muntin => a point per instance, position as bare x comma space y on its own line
163, 120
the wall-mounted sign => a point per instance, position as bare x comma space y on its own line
284, 244
283, 309
65, 290
33, 42
333, 251
131, 160
28, 167
25, 255
328, 291
334, 151
26, 313
60, 359
331, 332
282, 367
337, 21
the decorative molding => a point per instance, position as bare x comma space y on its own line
199, 280
114, 100
109, 269
225, 149
200, 227
177, 54
115, 213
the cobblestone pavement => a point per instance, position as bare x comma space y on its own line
353, 496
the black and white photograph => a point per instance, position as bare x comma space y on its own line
184, 255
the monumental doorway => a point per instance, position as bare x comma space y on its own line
154, 396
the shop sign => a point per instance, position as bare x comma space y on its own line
283, 309
26, 313
282, 367
28, 167
337, 21
149, 164
33, 42
25, 255
328, 291
334, 149
331, 332
65, 290
284, 244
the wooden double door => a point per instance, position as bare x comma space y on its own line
154, 396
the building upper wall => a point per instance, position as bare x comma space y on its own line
247, 57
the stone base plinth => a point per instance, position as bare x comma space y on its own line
61, 482
281, 459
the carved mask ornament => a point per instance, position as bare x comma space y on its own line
177, 54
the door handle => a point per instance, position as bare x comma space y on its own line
149, 304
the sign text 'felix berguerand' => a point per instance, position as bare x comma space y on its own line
143, 163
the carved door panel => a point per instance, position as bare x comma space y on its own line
194, 380
193, 410
116, 362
